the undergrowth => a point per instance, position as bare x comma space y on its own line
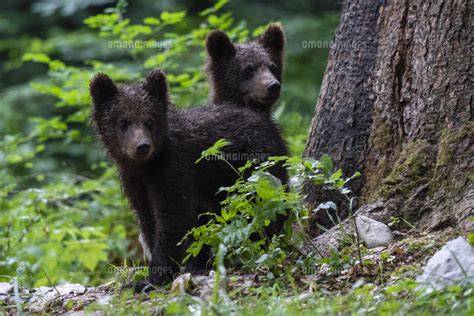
256, 201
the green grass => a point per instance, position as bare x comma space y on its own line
403, 297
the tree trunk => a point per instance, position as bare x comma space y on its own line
399, 109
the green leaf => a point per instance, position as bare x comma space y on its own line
262, 258
40, 148
339, 183
214, 150
336, 175
470, 238
91, 254
172, 17
219, 4
265, 189
326, 165
384, 255
327, 206
102, 20
222, 22
14, 159
259, 30
155, 61
38, 57
151, 21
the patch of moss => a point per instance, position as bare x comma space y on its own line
448, 142
410, 170
383, 136
446, 159
415, 246
383, 139
405, 269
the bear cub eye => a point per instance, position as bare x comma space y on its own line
123, 125
150, 124
273, 68
249, 70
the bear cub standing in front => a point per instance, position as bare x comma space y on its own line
155, 146
249, 74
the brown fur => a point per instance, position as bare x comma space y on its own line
166, 187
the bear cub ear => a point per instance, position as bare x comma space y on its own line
156, 85
219, 46
102, 89
273, 39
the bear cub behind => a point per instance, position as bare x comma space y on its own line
155, 146
247, 75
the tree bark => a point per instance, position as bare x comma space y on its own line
341, 123
399, 109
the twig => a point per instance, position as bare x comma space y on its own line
49, 280
17, 297
356, 229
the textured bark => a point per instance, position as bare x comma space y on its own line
421, 144
418, 156
341, 123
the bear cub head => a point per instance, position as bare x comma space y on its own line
248, 74
131, 121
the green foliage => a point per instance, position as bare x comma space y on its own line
470, 238
214, 150
63, 228
402, 297
255, 201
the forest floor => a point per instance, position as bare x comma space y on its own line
385, 283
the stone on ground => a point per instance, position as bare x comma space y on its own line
373, 233
453, 263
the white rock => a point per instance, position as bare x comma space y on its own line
360, 282
183, 284
453, 263
299, 299
105, 300
5, 288
373, 233
208, 285
43, 295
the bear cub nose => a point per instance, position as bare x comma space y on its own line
274, 87
142, 149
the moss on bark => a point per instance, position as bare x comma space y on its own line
450, 150
411, 170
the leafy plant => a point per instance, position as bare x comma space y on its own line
253, 203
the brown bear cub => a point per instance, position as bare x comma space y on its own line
249, 74
155, 146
